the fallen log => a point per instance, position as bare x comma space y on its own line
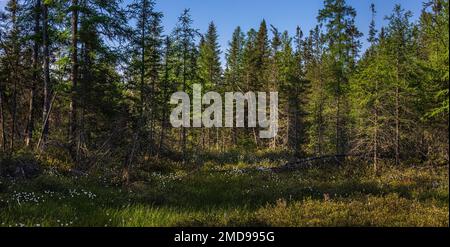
309, 162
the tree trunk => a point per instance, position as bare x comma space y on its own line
142, 86
235, 136
36, 45
375, 136
183, 129
14, 77
163, 132
14, 116
397, 126
320, 121
47, 86
46, 119
74, 79
165, 97
397, 116
338, 118
2, 120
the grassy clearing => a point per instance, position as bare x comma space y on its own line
346, 196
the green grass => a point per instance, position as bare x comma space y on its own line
345, 196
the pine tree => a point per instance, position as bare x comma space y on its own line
368, 85
400, 44
434, 57
210, 68
234, 73
234, 60
36, 10
73, 119
382, 89
249, 61
166, 88
342, 48
262, 54
318, 117
13, 51
46, 71
186, 53
145, 66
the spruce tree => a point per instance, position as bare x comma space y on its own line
342, 38
210, 69
234, 73
186, 54
399, 45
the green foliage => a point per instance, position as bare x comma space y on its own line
388, 211
435, 37
387, 89
234, 60
315, 197
210, 69
105, 73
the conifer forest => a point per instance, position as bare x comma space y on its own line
87, 139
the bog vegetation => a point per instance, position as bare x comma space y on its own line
85, 137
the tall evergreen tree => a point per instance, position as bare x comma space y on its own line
186, 53
369, 85
262, 55
36, 10
234, 59
319, 98
400, 45
434, 57
234, 73
210, 68
73, 119
342, 47
145, 66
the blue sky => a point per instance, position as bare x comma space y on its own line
284, 14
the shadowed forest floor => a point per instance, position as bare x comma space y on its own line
227, 195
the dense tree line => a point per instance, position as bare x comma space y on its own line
90, 81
